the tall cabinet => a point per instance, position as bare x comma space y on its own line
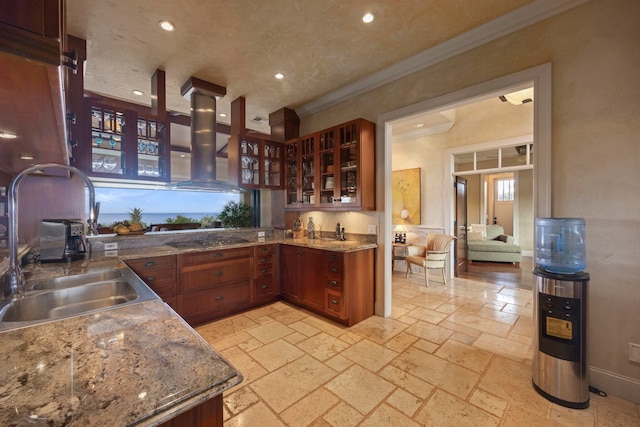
333, 169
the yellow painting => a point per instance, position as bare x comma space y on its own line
405, 196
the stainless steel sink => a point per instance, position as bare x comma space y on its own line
69, 296
64, 282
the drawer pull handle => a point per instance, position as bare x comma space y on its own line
263, 260
334, 257
333, 283
150, 264
219, 254
219, 297
334, 301
265, 286
266, 270
263, 249
218, 273
334, 270
151, 278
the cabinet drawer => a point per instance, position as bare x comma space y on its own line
335, 283
214, 256
263, 270
215, 302
334, 303
147, 265
214, 274
158, 277
265, 287
263, 250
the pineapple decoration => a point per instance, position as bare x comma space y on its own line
135, 217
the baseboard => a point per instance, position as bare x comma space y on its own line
615, 385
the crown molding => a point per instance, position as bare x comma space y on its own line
523, 17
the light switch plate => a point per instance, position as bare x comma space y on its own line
261, 233
634, 352
110, 246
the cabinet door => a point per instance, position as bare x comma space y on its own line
328, 168
255, 162
292, 174
308, 174
108, 142
272, 165
313, 278
152, 158
290, 271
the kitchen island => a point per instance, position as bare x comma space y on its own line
139, 364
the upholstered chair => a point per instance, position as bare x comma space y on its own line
433, 255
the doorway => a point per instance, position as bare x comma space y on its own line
538, 77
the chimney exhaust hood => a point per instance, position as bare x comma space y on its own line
204, 97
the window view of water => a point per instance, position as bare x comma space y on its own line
158, 205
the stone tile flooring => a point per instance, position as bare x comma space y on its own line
454, 355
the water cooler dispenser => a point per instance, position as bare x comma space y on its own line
560, 371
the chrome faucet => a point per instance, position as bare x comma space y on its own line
14, 279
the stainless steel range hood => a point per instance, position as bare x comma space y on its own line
204, 97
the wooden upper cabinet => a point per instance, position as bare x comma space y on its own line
125, 144
333, 169
255, 162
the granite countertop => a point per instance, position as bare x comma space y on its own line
136, 365
139, 364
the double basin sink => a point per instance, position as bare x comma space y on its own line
67, 296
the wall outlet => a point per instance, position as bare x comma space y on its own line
110, 246
372, 229
261, 233
634, 352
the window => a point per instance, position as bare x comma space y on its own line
505, 189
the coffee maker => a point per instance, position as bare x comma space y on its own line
61, 240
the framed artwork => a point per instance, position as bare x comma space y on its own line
405, 196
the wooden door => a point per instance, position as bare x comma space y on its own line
460, 226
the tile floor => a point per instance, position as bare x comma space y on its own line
454, 355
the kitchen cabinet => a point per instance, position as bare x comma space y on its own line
4, 222
32, 43
334, 284
264, 286
333, 169
212, 284
126, 145
160, 274
255, 162
207, 414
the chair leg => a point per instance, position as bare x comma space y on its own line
444, 278
426, 276
408, 271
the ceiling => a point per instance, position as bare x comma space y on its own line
320, 46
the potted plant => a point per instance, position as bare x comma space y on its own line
235, 215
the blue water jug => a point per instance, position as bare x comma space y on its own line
560, 246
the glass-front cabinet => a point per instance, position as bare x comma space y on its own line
126, 145
255, 162
338, 168
292, 177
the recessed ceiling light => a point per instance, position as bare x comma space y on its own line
419, 125
8, 135
166, 25
26, 156
137, 92
368, 17
279, 76
223, 114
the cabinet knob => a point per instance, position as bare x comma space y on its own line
218, 273
334, 301
333, 270
150, 264
265, 286
151, 278
266, 270
219, 254
263, 249
334, 257
219, 297
263, 260
333, 283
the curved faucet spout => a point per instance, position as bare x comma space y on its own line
14, 280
